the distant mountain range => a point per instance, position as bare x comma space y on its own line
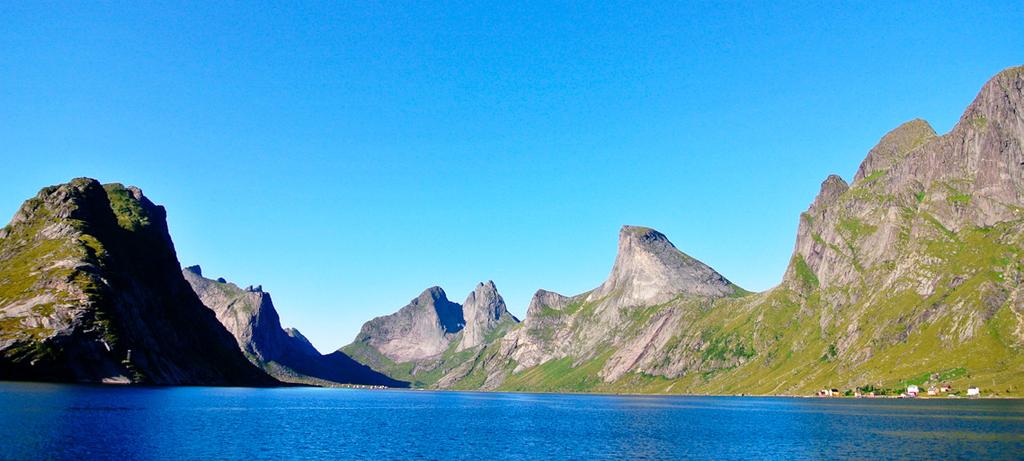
911, 274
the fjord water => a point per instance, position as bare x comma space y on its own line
100, 422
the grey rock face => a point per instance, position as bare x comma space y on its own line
894, 146
649, 269
972, 176
809, 243
432, 333
420, 330
249, 314
483, 310
300, 343
545, 299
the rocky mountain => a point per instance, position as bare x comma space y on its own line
649, 270
422, 329
431, 334
910, 274
652, 289
250, 316
91, 291
484, 310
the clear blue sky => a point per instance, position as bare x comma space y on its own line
347, 156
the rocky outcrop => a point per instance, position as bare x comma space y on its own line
431, 336
91, 291
544, 299
972, 176
420, 330
649, 269
894, 147
484, 310
249, 314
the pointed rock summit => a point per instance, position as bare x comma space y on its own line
893, 146
649, 269
426, 338
483, 310
831, 188
421, 329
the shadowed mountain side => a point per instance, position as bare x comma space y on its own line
249, 314
91, 291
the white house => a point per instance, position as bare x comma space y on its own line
973, 392
913, 390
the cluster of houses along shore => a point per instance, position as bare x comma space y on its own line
912, 391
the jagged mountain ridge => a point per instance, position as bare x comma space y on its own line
90, 291
911, 273
648, 270
249, 314
430, 334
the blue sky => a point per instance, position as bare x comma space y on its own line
347, 156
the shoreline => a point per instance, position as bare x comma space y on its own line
487, 391
361, 387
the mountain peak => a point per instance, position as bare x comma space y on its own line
421, 329
831, 188
545, 299
893, 146
483, 310
650, 269
432, 294
100, 260
999, 101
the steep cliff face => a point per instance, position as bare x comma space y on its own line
484, 311
91, 291
250, 316
915, 186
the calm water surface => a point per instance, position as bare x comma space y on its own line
40, 421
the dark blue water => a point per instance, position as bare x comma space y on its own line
39, 421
